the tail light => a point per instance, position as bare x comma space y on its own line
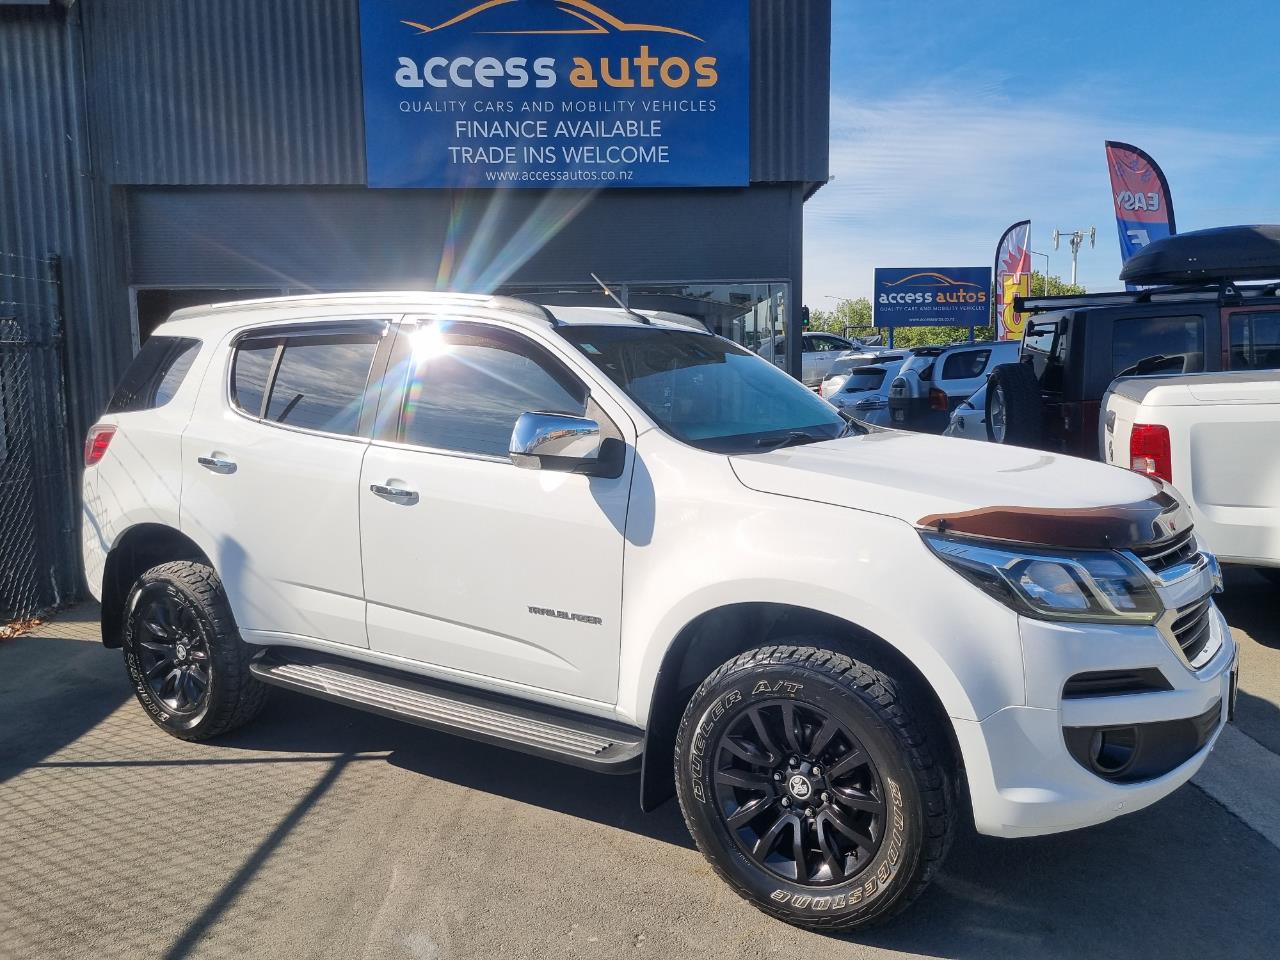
1149, 451
96, 443
938, 399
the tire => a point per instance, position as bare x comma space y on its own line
185, 658
1270, 573
899, 800
1013, 392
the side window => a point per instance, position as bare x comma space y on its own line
320, 383
249, 373
965, 364
470, 383
821, 344
154, 375
1255, 340
1147, 345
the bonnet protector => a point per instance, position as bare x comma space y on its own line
1119, 527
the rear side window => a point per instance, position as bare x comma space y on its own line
320, 383
154, 375
317, 383
1149, 345
250, 373
1255, 341
965, 364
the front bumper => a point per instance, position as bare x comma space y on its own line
1024, 780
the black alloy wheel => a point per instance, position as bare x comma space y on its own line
799, 792
173, 649
817, 786
185, 657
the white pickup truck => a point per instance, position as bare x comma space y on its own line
1216, 437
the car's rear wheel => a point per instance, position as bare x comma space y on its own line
186, 660
808, 782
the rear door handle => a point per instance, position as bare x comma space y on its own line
399, 494
217, 464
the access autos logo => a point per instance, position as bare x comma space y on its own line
929, 287
555, 18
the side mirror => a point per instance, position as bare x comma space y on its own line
556, 441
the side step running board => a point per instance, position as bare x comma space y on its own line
492, 718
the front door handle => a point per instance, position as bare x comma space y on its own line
217, 464
398, 494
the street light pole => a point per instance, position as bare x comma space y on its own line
1044, 277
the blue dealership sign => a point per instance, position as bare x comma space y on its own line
555, 93
932, 296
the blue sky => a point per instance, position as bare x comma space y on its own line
951, 120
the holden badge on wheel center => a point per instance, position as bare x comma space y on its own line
800, 786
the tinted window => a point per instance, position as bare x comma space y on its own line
705, 390
1146, 345
1039, 336
1255, 341
965, 364
469, 384
865, 379
154, 375
249, 374
321, 382
819, 344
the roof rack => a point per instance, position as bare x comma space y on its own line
1223, 291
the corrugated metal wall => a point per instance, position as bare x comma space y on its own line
226, 91
46, 190
268, 91
790, 90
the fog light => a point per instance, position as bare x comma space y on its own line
1112, 750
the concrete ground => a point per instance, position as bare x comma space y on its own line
324, 832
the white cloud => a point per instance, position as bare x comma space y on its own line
932, 177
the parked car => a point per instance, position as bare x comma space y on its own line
1202, 319
864, 393
923, 396
821, 350
835, 380
1214, 436
969, 418
311, 493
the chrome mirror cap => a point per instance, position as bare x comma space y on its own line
554, 441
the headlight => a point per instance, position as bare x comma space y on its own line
1093, 585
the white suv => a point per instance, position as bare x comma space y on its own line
613, 540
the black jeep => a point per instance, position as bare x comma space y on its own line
1194, 317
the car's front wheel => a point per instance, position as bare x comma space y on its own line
809, 783
187, 663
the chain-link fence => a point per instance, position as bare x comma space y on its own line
37, 495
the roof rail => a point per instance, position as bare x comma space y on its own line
527, 307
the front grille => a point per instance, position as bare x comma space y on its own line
1167, 553
1191, 628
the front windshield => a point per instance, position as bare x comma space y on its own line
705, 390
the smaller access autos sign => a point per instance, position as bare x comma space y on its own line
933, 296
556, 93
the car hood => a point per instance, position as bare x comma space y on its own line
979, 489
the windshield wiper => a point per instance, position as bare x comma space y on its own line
792, 439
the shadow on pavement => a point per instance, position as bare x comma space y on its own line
295, 723
55, 686
1251, 603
